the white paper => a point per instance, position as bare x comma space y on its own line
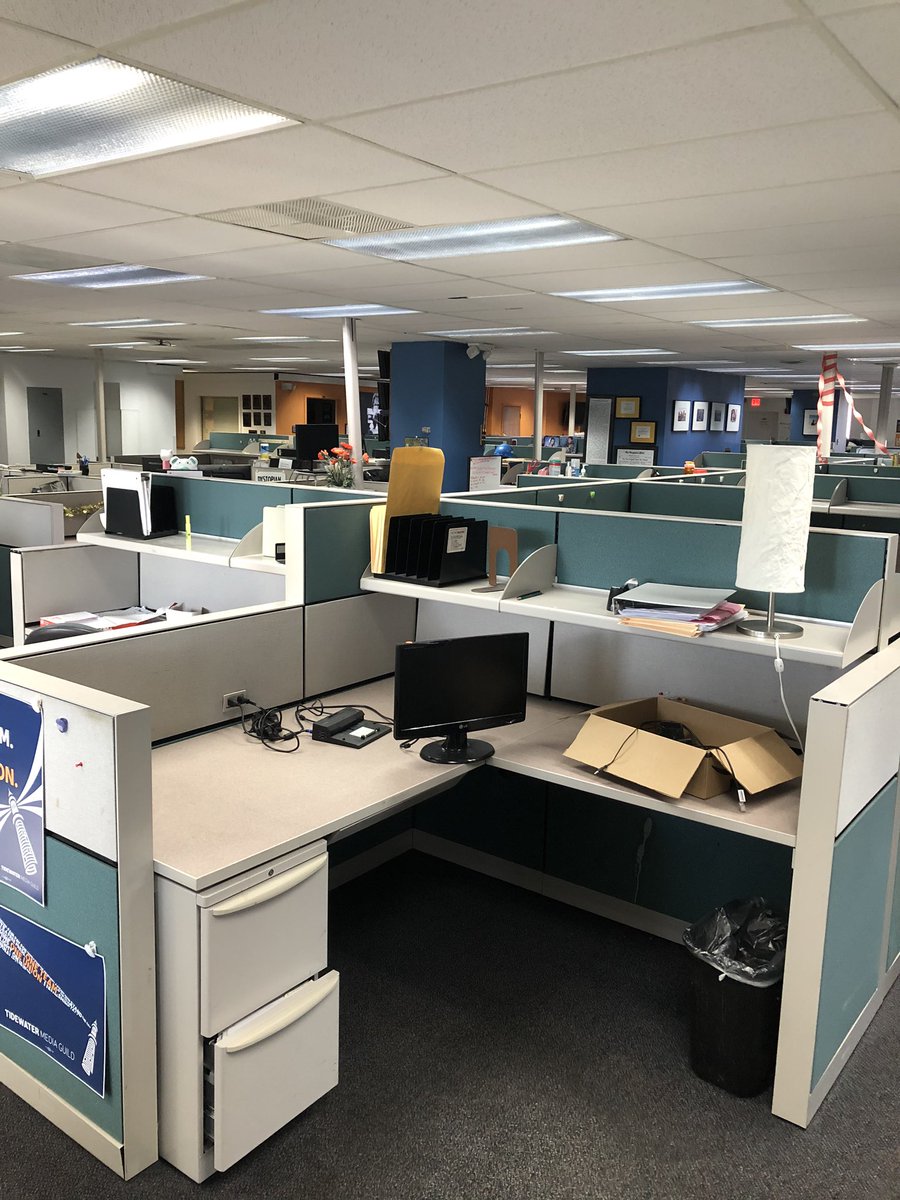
775, 531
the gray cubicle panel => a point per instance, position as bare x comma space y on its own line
183, 671
354, 639
201, 585
48, 580
98, 858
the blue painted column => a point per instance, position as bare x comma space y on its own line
436, 386
801, 400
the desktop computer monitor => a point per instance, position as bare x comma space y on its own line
310, 439
449, 687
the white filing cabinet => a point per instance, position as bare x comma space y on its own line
248, 1014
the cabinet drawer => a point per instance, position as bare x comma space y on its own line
261, 936
271, 1066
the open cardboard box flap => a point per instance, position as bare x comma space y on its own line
611, 740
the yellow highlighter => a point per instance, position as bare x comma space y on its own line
187, 531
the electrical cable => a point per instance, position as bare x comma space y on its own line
779, 671
313, 709
264, 725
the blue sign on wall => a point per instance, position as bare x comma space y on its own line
53, 994
22, 797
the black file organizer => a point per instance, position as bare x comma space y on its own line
436, 550
123, 513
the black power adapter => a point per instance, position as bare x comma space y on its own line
345, 718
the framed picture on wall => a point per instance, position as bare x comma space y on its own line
643, 431
628, 407
700, 415
810, 420
681, 416
733, 420
716, 418
636, 458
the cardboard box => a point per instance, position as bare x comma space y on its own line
611, 740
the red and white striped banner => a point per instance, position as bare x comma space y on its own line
829, 381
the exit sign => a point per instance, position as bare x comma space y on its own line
755, 402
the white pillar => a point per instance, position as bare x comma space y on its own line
573, 394
100, 405
538, 401
883, 411
351, 391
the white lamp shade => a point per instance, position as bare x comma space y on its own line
777, 505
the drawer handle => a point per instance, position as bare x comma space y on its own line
308, 997
269, 888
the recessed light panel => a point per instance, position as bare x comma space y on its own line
289, 360
501, 331
673, 291
339, 310
12, 333
614, 353
841, 347
24, 350
100, 111
126, 323
283, 341
175, 362
117, 276
484, 237
762, 322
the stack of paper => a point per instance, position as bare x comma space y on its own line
685, 611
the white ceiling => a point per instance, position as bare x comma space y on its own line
722, 138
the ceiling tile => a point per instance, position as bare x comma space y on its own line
561, 258
642, 101
820, 235
817, 150
180, 235
812, 262
39, 210
823, 8
872, 196
680, 271
451, 200
426, 48
25, 52
104, 22
290, 254
872, 37
284, 165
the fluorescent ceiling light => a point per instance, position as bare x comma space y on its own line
13, 333
762, 322
126, 323
282, 341
483, 237
340, 310
671, 291
280, 360
120, 275
826, 346
500, 331
614, 353
117, 345
24, 350
101, 110
175, 362
878, 361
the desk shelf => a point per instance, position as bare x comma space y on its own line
457, 593
200, 548
772, 817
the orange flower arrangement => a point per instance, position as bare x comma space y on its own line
339, 463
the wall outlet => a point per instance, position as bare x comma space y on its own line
230, 699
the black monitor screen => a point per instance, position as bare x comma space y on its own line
473, 682
310, 439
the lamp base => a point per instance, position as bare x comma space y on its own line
761, 628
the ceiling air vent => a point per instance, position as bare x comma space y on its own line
307, 219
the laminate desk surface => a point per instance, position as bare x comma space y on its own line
222, 803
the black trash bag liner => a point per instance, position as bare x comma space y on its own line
744, 939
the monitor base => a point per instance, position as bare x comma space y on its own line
457, 748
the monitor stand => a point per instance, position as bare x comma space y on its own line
457, 749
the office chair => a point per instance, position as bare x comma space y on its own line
50, 633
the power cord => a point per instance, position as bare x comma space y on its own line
311, 710
265, 726
779, 671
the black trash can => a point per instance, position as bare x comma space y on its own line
738, 963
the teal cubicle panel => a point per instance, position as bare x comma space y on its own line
539, 481
6, 629
314, 495
824, 486
622, 471
605, 496
893, 948
535, 527
223, 507
712, 504
853, 965
336, 550
495, 812
873, 489
716, 458
82, 905
863, 470
685, 869
602, 550
504, 495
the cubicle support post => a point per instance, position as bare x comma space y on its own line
883, 411
351, 391
573, 394
100, 405
538, 402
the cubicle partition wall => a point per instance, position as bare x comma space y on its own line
78, 1038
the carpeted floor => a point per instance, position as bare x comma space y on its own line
495, 1044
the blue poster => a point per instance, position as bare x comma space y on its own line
22, 797
53, 994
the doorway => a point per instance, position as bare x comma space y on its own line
46, 437
511, 420
219, 414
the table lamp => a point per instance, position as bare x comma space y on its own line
775, 529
